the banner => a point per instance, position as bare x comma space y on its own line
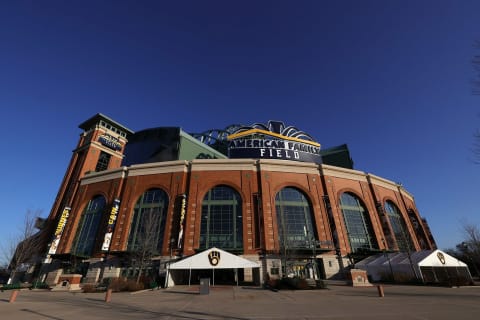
59, 230
182, 219
112, 219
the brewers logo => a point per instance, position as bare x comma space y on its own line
214, 257
441, 257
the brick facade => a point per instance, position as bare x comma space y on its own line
256, 181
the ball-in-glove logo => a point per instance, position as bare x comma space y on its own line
441, 257
214, 257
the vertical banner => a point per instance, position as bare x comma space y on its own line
182, 219
112, 219
59, 230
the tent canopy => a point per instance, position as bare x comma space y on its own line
424, 258
440, 259
213, 258
415, 264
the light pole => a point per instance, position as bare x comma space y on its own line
388, 259
409, 253
314, 242
283, 243
172, 241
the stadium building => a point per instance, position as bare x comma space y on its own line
244, 204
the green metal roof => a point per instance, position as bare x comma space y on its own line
338, 156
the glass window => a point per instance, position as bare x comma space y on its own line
148, 224
404, 242
357, 221
88, 227
103, 161
221, 224
294, 219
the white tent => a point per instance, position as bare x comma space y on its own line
439, 258
212, 258
425, 265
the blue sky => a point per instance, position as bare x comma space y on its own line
392, 79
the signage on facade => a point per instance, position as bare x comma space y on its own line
273, 141
112, 219
183, 208
110, 142
59, 230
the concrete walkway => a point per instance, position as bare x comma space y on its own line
241, 303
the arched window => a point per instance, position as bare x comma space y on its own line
221, 224
399, 228
358, 224
294, 219
148, 224
88, 227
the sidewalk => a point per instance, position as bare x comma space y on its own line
241, 303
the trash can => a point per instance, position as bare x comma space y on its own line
204, 285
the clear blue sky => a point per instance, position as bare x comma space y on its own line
392, 79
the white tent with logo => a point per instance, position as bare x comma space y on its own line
211, 259
426, 265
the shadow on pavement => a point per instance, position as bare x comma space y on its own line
182, 292
41, 314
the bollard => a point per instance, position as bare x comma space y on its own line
108, 295
13, 296
380, 291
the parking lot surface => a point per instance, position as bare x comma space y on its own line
242, 303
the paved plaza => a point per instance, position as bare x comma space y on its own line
242, 303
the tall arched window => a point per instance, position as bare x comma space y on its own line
358, 224
148, 224
88, 227
294, 219
221, 224
399, 228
